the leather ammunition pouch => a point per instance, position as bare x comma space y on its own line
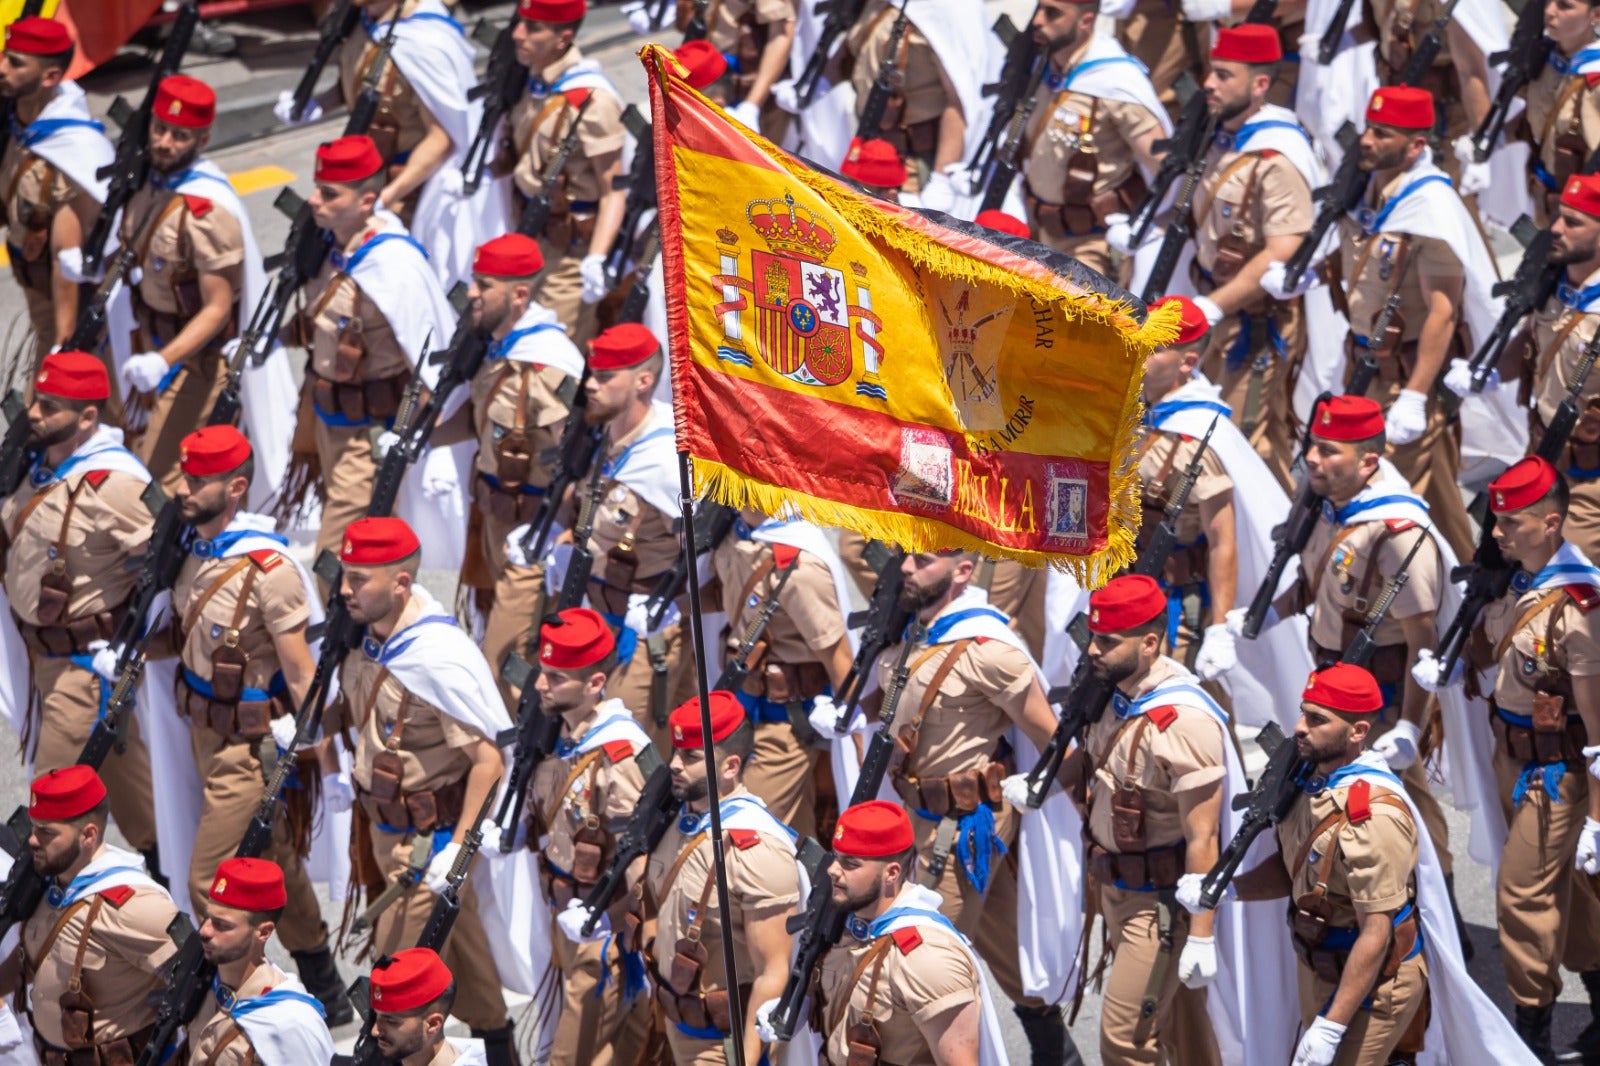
787, 682
1311, 934
570, 225
505, 506
1156, 868
124, 1051
30, 261
75, 636
1085, 214
359, 401
396, 810
235, 719
954, 796
916, 140
1548, 735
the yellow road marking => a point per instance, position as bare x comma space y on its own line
255, 179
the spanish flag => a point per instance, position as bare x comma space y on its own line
906, 375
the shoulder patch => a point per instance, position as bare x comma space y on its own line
1592, 79
1587, 597
1269, 153
576, 97
117, 896
982, 640
906, 939
744, 839
267, 559
1399, 525
1358, 802
784, 555
96, 478
1163, 717
199, 206
618, 750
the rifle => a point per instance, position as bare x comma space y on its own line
536, 216
1524, 59
581, 564
163, 558
1333, 200
1008, 158
131, 165
883, 618
8, 108
641, 185
1265, 805
821, 924
1264, 12
569, 462
737, 669
90, 328
697, 27
503, 84
536, 735
1364, 647
335, 27
1180, 230
17, 452
1158, 549
712, 522
652, 817
1427, 49
883, 86
1328, 45
638, 298
1022, 55
1190, 140
838, 17
1528, 289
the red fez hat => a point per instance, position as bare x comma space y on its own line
73, 376
874, 163
510, 255
212, 450
1125, 602
1004, 223
1347, 418
348, 159
1522, 485
1345, 689
408, 980
185, 101
64, 794
556, 12
875, 829
1583, 193
621, 346
727, 713
377, 542
35, 36
1252, 42
704, 62
1404, 107
575, 638
1192, 322
249, 885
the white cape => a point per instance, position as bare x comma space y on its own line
285, 1026
67, 137
650, 466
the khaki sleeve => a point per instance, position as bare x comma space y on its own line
762, 879
129, 520
282, 596
1285, 200
937, 976
456, 734
549, 409
217, 240
1213, 480
770, 11
810, 601
1002, 673
624, 783
1378, 856
1436, 260
136, 932
602, 130
1581, 645
1421, 594
1130, 121
1191, 750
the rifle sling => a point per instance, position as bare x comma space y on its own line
1548, 356
193, 614
584, 762
931, 693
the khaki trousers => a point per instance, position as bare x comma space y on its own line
1273, 434
348, 470
69, 708
1372, 1035
1547, 913
780, 774
518, 602
232, 778
178, 411
560, 288
1179, 1031
631, 683
1582, 527
596, 1027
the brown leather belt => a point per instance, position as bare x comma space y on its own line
422, 811
954, 796
505, 506
787, 682
75, 637
1328, 963
124, 1051
245, 720
1531, 744
1156, 868
358, 401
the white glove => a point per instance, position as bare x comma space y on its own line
1466, 152
385, 443
516, 555
784, 95
1188, 893
284, 108
1218, 653
1119, 234
451, 181
70, 262
1592, 753
1458, 379
1209, 308
571, 922
1276, 281
939, 193
1320, 1044
824, 718
746, 112
284, 732
441, 478
337, 795
592, 268
437, 875
764, 1030
493, 839
1207, 10
1425, 672
1399, 745
143, 372
1474, 175
103, 659
1407, 418
637, 617
1197, 965
1587, 858
1014, 790
1234, 620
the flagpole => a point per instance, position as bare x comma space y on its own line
718, 859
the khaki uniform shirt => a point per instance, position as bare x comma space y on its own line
277, 605
763, 881
32, 188
126, 946
724, 17
1064, 121
1185, 756
1251, 195
655, 544
979, 699
1560, 104
538, 124
608, 790
398, 103
808, 622
183, 234
1553, 368
921, 75
446, 1055
1343, 567
1368, 288
1375, 870
1569, 647
333, 300
1405, 21
505, 392
917, 985
214, 1024
1166, 456
432, 742
109, 524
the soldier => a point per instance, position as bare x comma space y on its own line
1253, 206
1410, 213
520, 399
413, 993
1170, 40
1562, 122
91, 953
49, 166
633, 508
258, 1014
875, 165
906, 984
707, 70
191, 271
763, 887
1546, 716
580, 795
74, 541
1090, 144
756, 36
798, 661
424, 705
586, 203
240, 610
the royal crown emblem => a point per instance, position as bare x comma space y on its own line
220, 887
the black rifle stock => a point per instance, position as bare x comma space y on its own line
733, 675
1180, 229
1365, 646
1023, 54
536, 216
504, 82
1333, 200
1265, 805
1524, 60
1427, 49
641, 185
870, 121
882, 621
569, 464
536, 735
1190, 140
1531, 286
17, 452
652, 817
335, 27
712, 522
580, 566
1008, 156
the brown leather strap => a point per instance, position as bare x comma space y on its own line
1337, 821
758, 575
233, 1033
27, 509
683, 857
877, 972
1140, 724
30, 966
1344, 534
1227, 175
75, 979
931, 693
192, 615
1570, 90
1370, 575
583, 763
698, 922
29, 161
556, 100
400, 714
66, 520
1549, 599
1548, 356
874, 954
